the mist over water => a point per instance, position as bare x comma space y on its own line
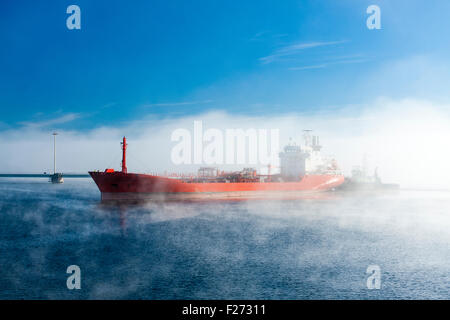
318, 247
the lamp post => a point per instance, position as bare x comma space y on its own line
54, 151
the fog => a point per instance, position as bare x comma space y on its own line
405, 139
317, 247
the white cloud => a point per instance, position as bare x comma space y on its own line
295, 49
405, 139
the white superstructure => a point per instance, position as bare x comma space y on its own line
297, 161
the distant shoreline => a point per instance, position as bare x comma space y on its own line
32, 175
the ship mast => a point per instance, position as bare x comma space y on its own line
307, 137
124, 155
54, 152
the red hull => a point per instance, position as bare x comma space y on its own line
131, 186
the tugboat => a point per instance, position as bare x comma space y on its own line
361, 181
55, 177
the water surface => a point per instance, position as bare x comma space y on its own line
312, 248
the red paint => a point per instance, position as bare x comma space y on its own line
124, 155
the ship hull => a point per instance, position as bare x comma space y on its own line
131, 186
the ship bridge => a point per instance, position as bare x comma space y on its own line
297, 161
293, 162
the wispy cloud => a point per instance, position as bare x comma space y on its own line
264, 35
324, 65
318, 66
183, 103
50, 122
258, 36
295, 49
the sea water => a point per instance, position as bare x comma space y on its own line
317, 247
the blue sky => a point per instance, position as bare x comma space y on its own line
176, 58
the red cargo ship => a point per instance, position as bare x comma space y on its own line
298, 175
